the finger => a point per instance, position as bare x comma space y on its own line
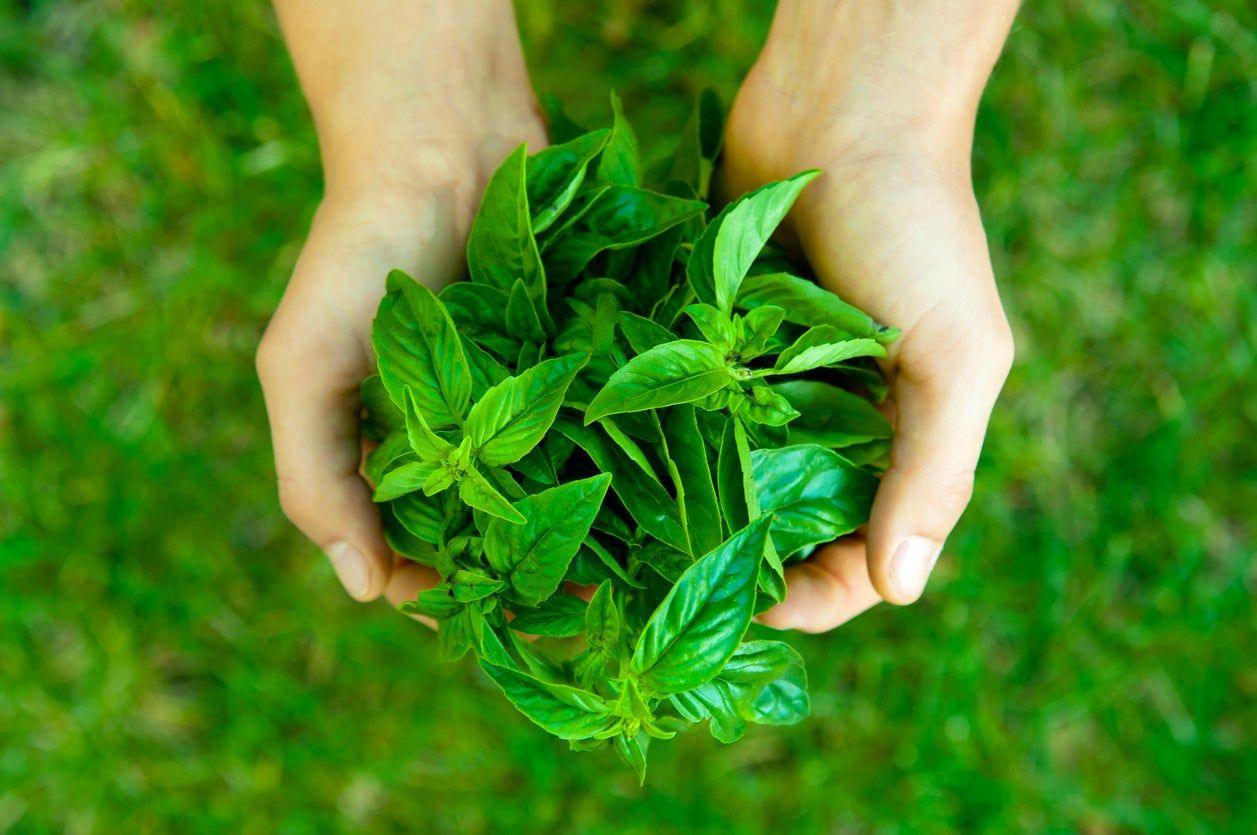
406, 581
942, 410
825, 591
310, 378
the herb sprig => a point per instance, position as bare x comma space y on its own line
633, 396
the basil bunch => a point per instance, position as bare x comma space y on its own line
630, 395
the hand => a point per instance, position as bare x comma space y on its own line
892, 226
407, 150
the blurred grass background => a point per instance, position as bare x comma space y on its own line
174, 658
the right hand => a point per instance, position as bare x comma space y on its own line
404, 169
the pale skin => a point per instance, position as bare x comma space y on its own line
415, 103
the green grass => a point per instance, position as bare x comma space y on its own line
173, 657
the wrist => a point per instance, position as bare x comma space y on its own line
842, 72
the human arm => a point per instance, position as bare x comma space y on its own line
882, 96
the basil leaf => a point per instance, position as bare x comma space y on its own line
562, 616
501, 247
622, 216
522, 320
513, 415
645, 500
730, 478
394, 448
629, 447
697, 627
668, 563
469, 586
714, 324
757, 330
642, 333
632, 749
417, 346
436, 602
555, 174
821, 346
454, 634
760, 404
476, 308
830, 416
688, 452
676, 372
564, 711
535, 555
806, 303
383, 417
701, 137
486, 372
419, 514
476, 491
405, 479
426, 444
621, 161
403, 542
814, 494
764, 682
743, 231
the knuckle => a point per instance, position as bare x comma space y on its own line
268, 359
957, 490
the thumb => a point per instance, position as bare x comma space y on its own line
311, 391
943, 402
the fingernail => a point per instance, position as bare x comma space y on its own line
914, 560
351, 568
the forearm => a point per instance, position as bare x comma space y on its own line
389, 81
920, 63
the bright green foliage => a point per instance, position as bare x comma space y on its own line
611, 415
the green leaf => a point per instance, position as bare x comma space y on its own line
469, 585
620, 217
426, 444
514, 415
420, 515
436, 602
697, 627
695, 157
760, 404
394, 449
501, 247
405, 479
561, 616
476, 491
815, 494
522, 320
632, 749
476, 308
764, 682
742, 232
715, 325
681, 371
455, 634
821, 346
689, 454
730, 479
806, 303
830, 416
642, 333
621, 162
555, 174
645, 500
629, 447
403, 542
757, 329
486, 372
535, 555
566, 712
418, 347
